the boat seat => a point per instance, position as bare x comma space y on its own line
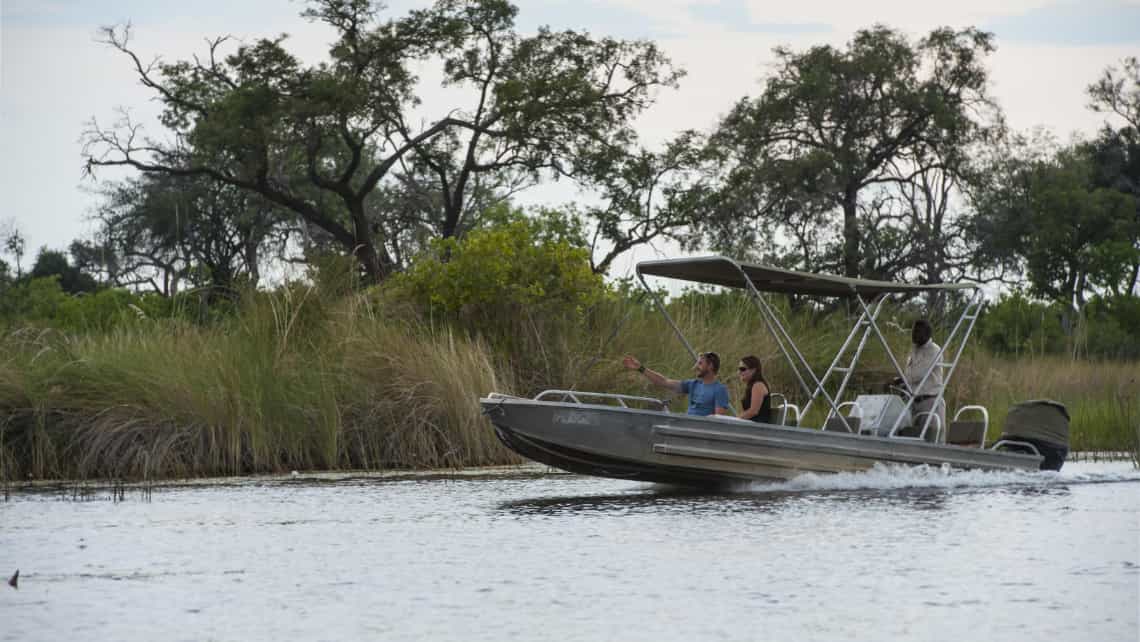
910, 432
914, 431
966, 433
836, 424
962, 432
786, 414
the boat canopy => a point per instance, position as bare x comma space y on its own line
719, 270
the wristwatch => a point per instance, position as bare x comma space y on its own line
641, 369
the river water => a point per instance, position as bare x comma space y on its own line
889, 554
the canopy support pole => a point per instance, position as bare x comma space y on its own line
781, 335
866, 321
887, 348
661, 309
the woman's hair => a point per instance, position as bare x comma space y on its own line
752, 362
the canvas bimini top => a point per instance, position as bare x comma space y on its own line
719, 270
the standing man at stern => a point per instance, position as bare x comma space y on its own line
923, 357
707, 396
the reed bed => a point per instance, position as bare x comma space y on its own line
290, 383
300, 381
1103, 397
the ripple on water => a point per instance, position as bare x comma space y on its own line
889, 554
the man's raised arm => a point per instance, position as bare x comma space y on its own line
657, 378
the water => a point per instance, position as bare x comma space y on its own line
885, 555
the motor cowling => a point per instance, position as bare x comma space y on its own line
1043, 423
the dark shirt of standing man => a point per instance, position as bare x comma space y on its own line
707, 396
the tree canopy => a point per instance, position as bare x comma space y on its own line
161, 230
318, 140
52, 263
835, 129
883, 158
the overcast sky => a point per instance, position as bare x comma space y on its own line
54, 76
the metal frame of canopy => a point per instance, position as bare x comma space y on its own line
717, 270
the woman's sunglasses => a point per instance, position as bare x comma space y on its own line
743, 369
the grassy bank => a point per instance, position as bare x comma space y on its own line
295, 381
289, 383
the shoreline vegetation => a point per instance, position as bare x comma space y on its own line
364, 381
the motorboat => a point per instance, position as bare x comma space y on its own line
639, 438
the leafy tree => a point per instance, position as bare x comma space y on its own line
97, 258
835, 128
1112, 322
1117, 92
12, 243
161, 230
1017, 325
1069, 218
1115, 157
319, 140
542, 224
1116, 151
647, 196
51, 263
408, 210
1046, 217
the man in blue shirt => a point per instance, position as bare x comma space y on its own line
706, 395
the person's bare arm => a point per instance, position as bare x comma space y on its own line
759, 391
655, 377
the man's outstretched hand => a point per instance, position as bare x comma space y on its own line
630, 362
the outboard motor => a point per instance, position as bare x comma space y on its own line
1043, 423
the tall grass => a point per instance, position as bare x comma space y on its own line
1103, 397
291, 382
300, 380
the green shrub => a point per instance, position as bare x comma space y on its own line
1015, 325
35, 300
526, 293
499, 270
1112, 327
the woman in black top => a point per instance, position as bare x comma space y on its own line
757, 403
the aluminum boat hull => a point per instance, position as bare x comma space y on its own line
655, 446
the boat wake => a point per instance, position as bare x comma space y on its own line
895, 477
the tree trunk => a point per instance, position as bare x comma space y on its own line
365, 251
850, 234
452, 208
250, 251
